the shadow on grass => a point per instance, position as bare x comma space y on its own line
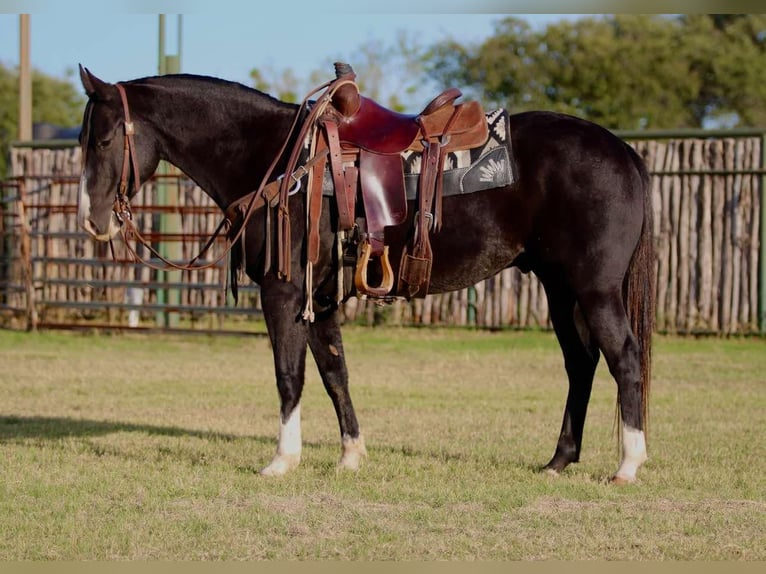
42, 430
23, 428
51, 428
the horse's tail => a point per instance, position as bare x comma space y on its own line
640, 300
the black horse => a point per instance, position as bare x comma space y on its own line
578, 215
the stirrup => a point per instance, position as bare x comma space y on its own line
360, 279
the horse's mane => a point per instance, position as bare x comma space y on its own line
202, 83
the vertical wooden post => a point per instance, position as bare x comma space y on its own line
762, 255
25, 251
25, 81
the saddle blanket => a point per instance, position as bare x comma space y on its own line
485, 167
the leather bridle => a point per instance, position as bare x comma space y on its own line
121, 201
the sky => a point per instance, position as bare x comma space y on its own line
227, 45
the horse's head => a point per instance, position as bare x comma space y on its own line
111, 172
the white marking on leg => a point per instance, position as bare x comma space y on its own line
353, 453
633, 454
288, 447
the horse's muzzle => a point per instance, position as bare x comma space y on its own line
112, 229
85, 216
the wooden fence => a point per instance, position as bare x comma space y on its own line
707, 202
706, 196
78, 281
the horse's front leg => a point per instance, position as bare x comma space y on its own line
327, 347
288, 333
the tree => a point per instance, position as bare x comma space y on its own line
624, 71
727, 55
54, 101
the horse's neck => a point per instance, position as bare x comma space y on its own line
225, 144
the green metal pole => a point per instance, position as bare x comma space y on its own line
161, 52
161, 316
471, 305
172, 224
178, 45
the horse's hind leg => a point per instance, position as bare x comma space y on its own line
327, 347
580, 359
281, 304
605, 313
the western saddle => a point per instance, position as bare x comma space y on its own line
364, 142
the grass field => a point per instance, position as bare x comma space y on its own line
147, 447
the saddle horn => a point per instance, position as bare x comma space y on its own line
346, 98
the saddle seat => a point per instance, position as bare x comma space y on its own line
377, 129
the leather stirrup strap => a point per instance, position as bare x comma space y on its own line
434, 179
415, 269
440, 170
345, 187
430, 165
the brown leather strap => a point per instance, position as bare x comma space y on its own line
415, 268
344, 195
440, 168
314, 195
129, 155
430, 165
309, 123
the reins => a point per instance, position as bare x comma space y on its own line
270, 194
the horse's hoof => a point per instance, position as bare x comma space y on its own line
281, 465
351, 463
551, 472
353, 453
622, 480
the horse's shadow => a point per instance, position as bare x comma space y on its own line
52, 429
14, 427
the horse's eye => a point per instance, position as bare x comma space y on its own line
103, 144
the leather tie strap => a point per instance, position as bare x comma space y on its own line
314, 199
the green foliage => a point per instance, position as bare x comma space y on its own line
283, 85
628, 71
54, 101
624, 71
727, 55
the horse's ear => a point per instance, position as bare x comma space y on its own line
94, 87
